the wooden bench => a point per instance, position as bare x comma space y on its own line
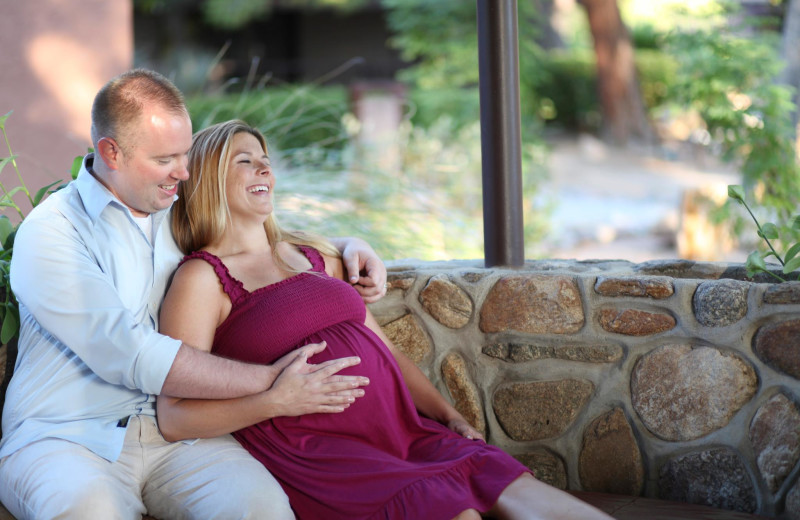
623, 507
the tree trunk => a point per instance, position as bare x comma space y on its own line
624, 114
791, 73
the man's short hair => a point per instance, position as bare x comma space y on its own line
119, 103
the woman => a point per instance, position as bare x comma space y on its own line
254, 292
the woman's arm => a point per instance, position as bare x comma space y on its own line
428, 400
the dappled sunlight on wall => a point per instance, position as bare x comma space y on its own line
54, 58
56, 55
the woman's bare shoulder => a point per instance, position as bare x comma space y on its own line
195, 274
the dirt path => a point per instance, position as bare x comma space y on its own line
611, 203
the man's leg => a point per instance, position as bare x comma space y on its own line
212, 478
54, 478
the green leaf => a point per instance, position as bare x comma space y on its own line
6, 199
736, 192
10, 328
77, 162
792, 252
791, 266
42, 192
6, 160
755, 263
6, 228
770, 231
3, 120
796, 223
8, 246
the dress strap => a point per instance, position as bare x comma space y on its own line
315, 257
232, 287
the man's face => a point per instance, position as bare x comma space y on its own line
153, 162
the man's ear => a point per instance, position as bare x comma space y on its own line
109, 151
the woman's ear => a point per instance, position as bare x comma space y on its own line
109, 151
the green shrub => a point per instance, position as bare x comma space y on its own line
729, 80
646, 36
656, 70
301, 122
569, 82
439, 41
460, 105
769, 232
9, 311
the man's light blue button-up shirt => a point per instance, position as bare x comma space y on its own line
89, 284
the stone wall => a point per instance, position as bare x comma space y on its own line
667, 379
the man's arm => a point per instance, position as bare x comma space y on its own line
198, 374
365, 270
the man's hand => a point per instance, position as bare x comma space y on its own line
302, 388
364, 269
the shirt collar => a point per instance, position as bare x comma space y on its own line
96, 197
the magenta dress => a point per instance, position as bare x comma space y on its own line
376, 460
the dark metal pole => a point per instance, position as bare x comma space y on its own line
498, 61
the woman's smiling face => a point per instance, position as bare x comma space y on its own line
250, 181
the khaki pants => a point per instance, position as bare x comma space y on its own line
212, 478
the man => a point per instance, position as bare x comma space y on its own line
90, 267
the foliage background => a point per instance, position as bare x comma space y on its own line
702, 61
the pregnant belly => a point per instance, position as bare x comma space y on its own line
386, 409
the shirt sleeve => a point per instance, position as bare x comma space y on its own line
55, 274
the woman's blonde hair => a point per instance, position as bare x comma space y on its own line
201, 215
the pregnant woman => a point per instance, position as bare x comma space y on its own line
251, 291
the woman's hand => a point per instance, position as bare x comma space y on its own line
463, 428
306, 351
